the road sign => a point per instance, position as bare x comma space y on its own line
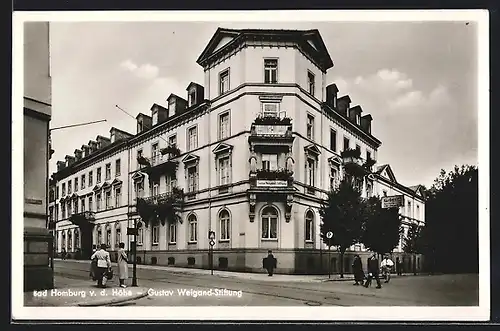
394, 201
329, 234
212, 242
211, 235
132, 231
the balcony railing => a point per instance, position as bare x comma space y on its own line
281, 178
82, 218
176, 194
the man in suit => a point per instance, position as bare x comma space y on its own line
373, 271
103, 264
269, 263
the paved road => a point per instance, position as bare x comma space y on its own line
445, 290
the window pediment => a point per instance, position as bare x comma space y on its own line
191, 158
312, 150
116, 182
138, 176
222, 148
335, 160
105, 186
74, 196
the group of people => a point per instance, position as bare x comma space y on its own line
101, 270
374, 270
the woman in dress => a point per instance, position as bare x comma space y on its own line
122, 264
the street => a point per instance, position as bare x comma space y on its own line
168, 288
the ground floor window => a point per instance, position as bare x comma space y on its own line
173, 233
269, 223
193, 228
309, 225
140, 234
156, 234
224, 220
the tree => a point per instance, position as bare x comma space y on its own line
381, 227
342, 215
412, 242
451, 236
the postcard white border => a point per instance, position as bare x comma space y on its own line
480, 313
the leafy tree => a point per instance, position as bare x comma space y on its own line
342, 215
412, 242
381, 226
452, 221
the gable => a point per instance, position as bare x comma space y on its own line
223, 41
388, 174
312, 44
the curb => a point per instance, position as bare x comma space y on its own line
113, 301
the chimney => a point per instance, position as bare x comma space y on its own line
144, 122
355, 115
343, 104
61, 165
176, 105
78, 154
69, 160
92, 146
117, 135
159, 114
331, 95
102, 142
85, 150
366, 123
196, 94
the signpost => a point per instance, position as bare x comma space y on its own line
329, 236
394, 201
211, 237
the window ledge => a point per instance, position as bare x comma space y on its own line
172, 243
224, 240
269, 239
192, 242
309, 241
155, 244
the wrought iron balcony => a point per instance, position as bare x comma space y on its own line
175, 196
82, 218
271, 130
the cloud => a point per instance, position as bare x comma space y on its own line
145, 71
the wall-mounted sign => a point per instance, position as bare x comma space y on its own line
394, 201
272, 183
33, 201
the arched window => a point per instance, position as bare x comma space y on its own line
269, 223
70, 241
118, 234
193, 228
309, 225
77, 238
224, 221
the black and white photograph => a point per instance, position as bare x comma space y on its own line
322, 165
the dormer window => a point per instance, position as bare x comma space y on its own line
155, 116
358, 119
171, 107
139, 126
192, 97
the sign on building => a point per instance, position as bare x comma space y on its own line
394, 201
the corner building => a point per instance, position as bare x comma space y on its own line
250, 155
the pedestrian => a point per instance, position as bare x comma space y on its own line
103, 265
357, 269
398, 266
386, 267
373, 271
122, 264
269, 263
63, 253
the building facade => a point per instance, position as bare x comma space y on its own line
251, 155
37, 114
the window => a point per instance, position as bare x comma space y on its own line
310, 171
155, 188
90, 178
75, 204
70, 241
418, 213
346, 143
192, 97
118, 234
140, 234
83, 181
69, 187
108, 237
270, 109
108, 199
224, 225
172, 140
63, 189
333, 178
156, 234
269, 223
270, 71
118, 167
99, 236
118, 197
193, 224
171, 107
76, 184
224, 125
368, 155
170, 183
224, 81
98, 179
358, 119
358, 148
82, 205
69, 208
224, 170
172, 230
310, 127
139, 153
333, 140
155, 155
108, 171
77, 239
192, 178
192, 138
409, 209
384, 192
309, 225
269, 161
139, 189
98, 202
91, 206
64, 239
154, 117
57, 192
63, 210
310, 82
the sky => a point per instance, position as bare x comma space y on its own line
418, 80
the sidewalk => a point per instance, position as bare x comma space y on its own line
243, 275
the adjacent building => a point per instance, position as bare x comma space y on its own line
250, 154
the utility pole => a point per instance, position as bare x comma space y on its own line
75, 125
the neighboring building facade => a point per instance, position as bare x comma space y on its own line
37, 114
250, 155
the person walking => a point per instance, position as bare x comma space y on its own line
398, 266
103, 265
373, 271
122, 264
357, 269
63, 253
386, 267
269, 263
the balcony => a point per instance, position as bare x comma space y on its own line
162, 207
159, 165
83, 218
271, 131
272, 179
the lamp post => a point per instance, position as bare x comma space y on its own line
134, 247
